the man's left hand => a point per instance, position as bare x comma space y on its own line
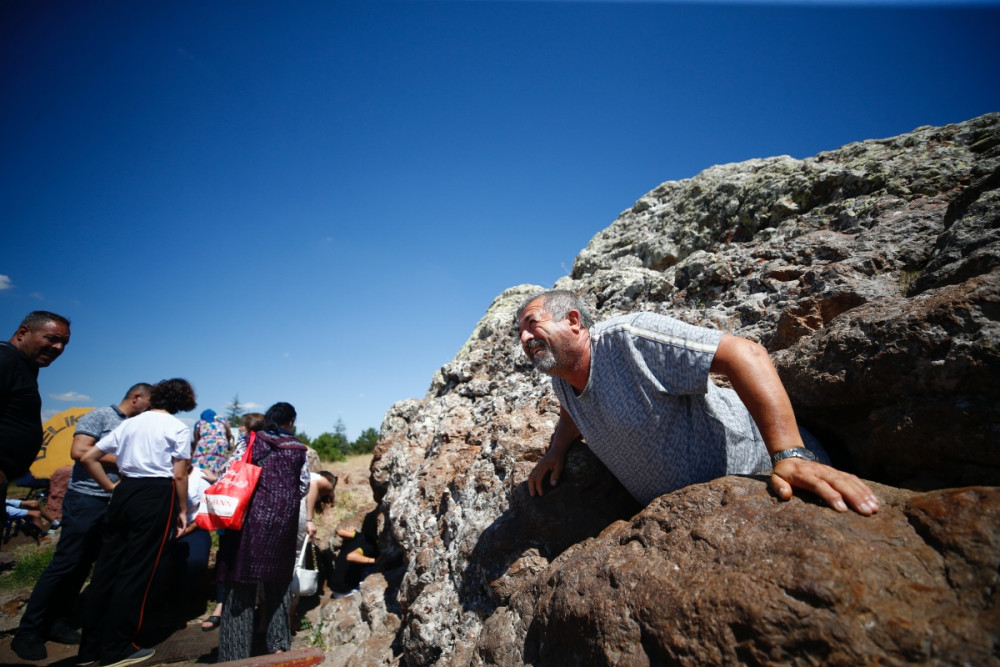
838, 489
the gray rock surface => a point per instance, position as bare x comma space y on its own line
872, 274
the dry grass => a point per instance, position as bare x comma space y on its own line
354, 493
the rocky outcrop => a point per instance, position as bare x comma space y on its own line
872, 274
698, 578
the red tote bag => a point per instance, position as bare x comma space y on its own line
225, 502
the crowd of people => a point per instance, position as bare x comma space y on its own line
128, 516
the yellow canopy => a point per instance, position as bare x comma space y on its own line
57, 436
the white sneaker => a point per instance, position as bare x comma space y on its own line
138, 656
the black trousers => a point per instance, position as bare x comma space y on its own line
59, 585
138, 528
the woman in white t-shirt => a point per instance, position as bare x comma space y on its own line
148, 508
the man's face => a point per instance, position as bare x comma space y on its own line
140, 402
43, 344
541, 338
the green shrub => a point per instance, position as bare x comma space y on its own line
336, 447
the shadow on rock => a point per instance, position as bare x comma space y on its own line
534, 531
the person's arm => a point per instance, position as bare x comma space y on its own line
82, 443
181, 489
755, 380
555, 457
187, 530
92, 461
358, 556
311, 495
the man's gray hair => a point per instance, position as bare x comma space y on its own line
557, 303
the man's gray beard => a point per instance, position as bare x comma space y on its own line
545, 360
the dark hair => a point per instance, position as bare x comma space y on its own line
138, 388
277, 415
174, 396
557, 303
253, 421
323, 501
37, 318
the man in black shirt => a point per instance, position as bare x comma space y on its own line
38, 341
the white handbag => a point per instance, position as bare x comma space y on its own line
305, 581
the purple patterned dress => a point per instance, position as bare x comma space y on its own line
264, 550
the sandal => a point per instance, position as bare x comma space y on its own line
210, 623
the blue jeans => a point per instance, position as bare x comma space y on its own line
60, 583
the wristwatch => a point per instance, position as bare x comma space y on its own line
793, 453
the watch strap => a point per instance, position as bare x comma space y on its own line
793, 453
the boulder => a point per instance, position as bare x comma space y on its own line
872, 274
724, 573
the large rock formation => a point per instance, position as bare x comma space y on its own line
872, 274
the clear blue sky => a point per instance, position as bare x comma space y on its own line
317, 201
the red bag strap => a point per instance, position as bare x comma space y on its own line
247, 454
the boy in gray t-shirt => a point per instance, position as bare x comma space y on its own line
95, 424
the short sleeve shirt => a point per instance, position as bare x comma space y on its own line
147, 444
96, 424
651, 413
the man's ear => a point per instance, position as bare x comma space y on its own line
574, 319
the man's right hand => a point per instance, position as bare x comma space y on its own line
552, 465
554, 461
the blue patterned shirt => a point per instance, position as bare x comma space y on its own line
97, 424
651, 413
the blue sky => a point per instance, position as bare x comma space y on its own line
317, 201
